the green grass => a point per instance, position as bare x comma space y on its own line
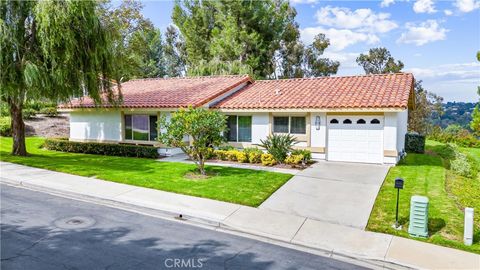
247, 187
426, 175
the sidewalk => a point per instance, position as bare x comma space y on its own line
331, 238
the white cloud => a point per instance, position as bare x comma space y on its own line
423, 33
339, 38
454, 82
348, 60
448, 12
299, 2
424, 6
467, 5
364, 20
386, 3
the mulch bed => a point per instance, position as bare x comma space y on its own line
279, 166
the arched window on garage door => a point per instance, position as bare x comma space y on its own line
361, 121
347, 121
375, 121
334, 121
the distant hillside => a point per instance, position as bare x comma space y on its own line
455, 113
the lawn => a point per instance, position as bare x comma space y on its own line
247, 187
427, 175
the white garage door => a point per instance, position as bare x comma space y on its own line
355, 138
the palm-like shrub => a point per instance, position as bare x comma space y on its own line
279, 145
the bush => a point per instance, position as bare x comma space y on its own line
414, 143
231, 155
451, 134
242, 157
49, 111
220, 154
307, 154
4, 110
255, 157
268, 160
28, 113
462, 166
5, 126
226, 147
294, 160
279, 145
123, 150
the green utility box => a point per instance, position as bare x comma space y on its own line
418, 216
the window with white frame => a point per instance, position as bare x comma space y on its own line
290, 124
239, 128
140, 127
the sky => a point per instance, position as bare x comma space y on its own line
436, 40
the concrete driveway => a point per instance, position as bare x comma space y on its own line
336, 192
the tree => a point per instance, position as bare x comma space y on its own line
52, 50
379, 61
315, 65
174, 53
475, 124
426, 105
137, 44
203, 127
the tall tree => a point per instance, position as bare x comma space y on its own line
426, 105
136, 42
174, 53
53, 50
315, 64
379, 61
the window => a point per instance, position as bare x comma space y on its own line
361, 121
375, 121
280, 124
334, 121
298, 125
141, 127
347, 121
239, 128
289, 124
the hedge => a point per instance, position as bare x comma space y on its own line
414, 143
107, 149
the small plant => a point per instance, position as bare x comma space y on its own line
268, 160
5, 126
242, 157
49, 111
294, 160
255, 157
226, 147
232, 155
220, 154
28, 113
307, 155
279, 145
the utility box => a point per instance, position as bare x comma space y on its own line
468, 228
418, 225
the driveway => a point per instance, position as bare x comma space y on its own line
336, 192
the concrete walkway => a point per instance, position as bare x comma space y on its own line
335, 192
290, 229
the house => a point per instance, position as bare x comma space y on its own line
351, 118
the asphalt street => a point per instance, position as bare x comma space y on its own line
42, 231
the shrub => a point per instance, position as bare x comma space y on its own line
294, 160
220, 154
307, 154
279, 145
231, 155
254, 157
28, 113
461, 137
414, 143
253, 152
123, 150
462, 166
268, 160
5, 126
242, 157
49, 111
226, 147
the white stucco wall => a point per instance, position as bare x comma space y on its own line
390, 136
96, 126
318, 138
402, 124
260, 127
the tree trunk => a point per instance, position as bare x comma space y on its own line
201, 166
18, 130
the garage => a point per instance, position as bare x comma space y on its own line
356, 138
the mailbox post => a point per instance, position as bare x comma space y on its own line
398, 186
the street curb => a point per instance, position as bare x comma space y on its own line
218, 225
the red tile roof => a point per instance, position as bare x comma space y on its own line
368, 91
169, 92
